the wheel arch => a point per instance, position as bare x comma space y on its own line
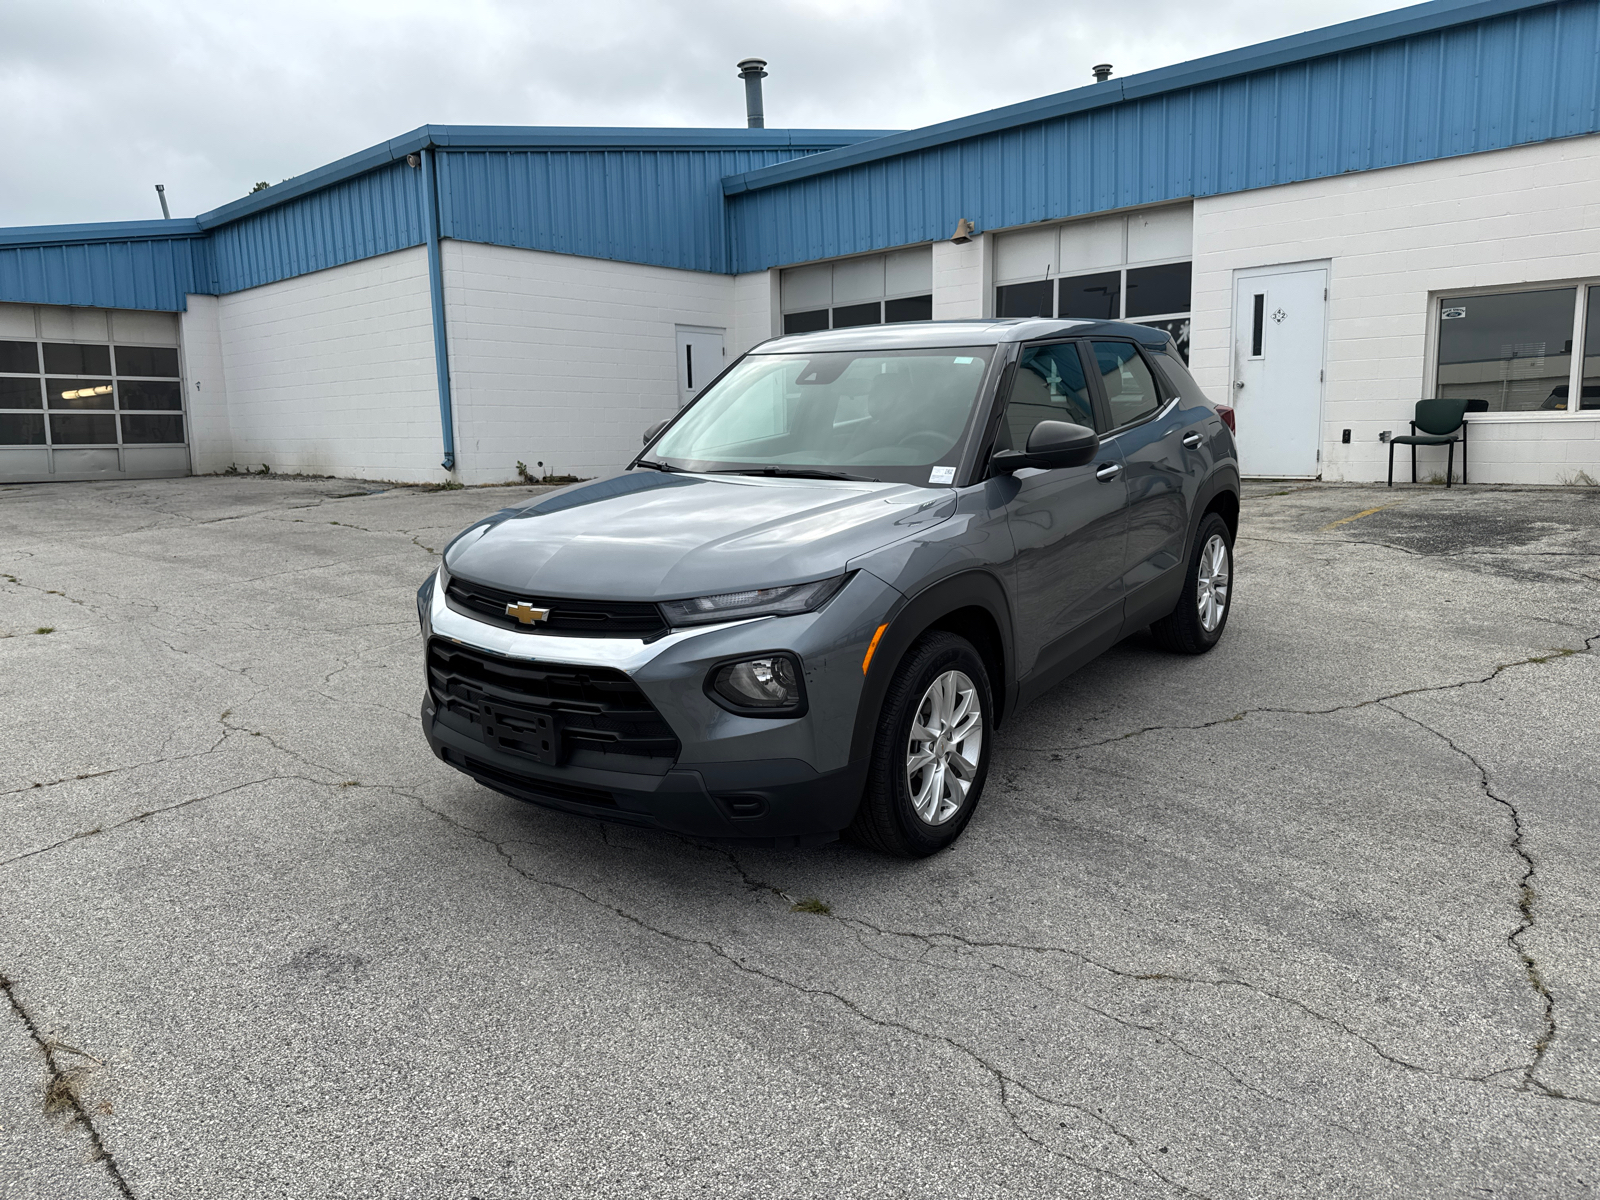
973, 605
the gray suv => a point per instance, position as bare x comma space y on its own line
813, 598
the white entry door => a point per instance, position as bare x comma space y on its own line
700, 359
1279, 319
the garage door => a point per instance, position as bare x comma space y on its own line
89, 393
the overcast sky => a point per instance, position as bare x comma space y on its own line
105, 98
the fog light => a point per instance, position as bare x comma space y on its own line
769, 684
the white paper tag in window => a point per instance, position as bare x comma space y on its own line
942, 475
1452, 314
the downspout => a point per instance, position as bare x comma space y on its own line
441, 351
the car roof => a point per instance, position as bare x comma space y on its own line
913, 335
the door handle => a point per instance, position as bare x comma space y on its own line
1191, 440
1238, 383
1106, 472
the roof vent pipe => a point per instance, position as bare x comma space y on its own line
753, 71
1102, 72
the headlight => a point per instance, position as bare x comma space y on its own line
768, 685
757, 602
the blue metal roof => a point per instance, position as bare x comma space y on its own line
640, 195
1431, 81
1448, 78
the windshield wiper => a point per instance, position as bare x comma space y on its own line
659, 466
802, 473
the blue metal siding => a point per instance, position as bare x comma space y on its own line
659, 206
362, 217
148, 273
1526, 76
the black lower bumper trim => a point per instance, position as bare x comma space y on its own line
778, 801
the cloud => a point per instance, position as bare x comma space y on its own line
105, 98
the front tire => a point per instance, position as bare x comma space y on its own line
931, 754
1196, 624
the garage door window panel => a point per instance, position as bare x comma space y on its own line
83, 429
20, 358
145, 428
1092, 297
80, 393
21, 429
20, 392
150, 362
145, 394
75, 359
1036, 299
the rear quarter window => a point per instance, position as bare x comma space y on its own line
1178, 376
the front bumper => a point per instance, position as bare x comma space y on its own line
773, 779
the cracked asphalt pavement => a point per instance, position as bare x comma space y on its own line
1313, 915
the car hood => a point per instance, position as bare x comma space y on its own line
648, 535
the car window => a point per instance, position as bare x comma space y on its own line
1131, 390
882, 414
1049, 386
1178, 375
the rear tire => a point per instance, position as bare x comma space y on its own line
931, 753
1196, 624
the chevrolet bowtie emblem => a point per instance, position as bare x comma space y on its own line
527, 613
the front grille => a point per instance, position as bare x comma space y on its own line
549, 713
587, 618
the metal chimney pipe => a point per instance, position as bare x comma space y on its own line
161, 193
753, 71
1102, 72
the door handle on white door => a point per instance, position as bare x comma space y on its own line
1106, 472
1237, 384
1191, 440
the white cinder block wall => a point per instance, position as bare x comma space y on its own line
567, 360
960, 286
1396, 238
332, 373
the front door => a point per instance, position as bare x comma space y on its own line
700, 360
1069, 525
1279, 318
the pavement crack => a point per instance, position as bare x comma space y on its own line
1005, 1082
60, 1089
1531, 660
1527, 895
140, 817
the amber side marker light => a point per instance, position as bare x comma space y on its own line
871, 646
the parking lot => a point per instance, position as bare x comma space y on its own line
1313, 915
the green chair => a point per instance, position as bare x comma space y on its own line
1442, 424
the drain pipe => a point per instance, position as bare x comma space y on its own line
441, 351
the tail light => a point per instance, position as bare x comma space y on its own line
1225, 411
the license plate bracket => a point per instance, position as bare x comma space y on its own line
533, 734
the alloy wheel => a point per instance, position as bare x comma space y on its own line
944, 748
1211, 583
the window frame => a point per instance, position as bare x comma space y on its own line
1581, 286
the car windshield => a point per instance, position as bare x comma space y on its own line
898, 415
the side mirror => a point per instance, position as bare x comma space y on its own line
1052, 444
649, 434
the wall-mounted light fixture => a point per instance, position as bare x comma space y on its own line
965, 232
413, 159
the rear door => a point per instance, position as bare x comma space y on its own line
1069, 525
1148, 430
